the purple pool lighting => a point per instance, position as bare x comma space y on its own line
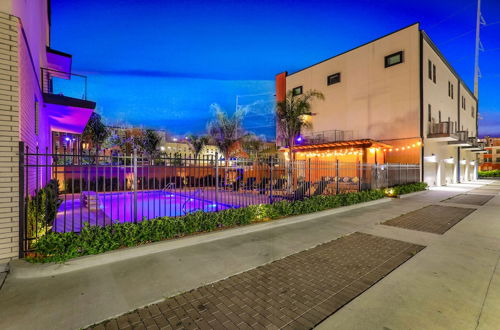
119, 207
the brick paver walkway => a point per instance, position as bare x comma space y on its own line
433, 218
472, 199
296, 292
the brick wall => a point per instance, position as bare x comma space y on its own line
9, 137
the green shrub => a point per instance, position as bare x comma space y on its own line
488, 174
58, 247
41, 209
409, 188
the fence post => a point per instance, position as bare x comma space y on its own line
309, 177
135, 184
337, 178
400, 170
359, 175
216, 181
21, 200
271, 165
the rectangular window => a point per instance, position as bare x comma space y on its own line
452, 92
297, 91
434, 73
394, 59
498, 151
439, 115
430, 69
37, 115
472, 111
333, 79
449, 89
429, 113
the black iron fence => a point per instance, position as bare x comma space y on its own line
64, 190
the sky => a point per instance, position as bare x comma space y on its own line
162, 63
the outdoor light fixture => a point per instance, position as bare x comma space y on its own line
449, 160
67, 138
472, 162
299, 139
162, 148
430, 159
174, 139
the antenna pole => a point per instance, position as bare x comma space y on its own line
478, 46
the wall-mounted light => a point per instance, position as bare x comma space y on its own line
463, 162
430, 159
472, 162
449, 160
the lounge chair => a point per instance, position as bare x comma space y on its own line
320, 188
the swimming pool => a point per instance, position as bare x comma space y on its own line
119, 207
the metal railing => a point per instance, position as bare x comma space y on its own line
63, 83
326, 137
442, 128
102, 188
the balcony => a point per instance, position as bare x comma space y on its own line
442, 131
462, 141
322, 137
476, 146
65, 99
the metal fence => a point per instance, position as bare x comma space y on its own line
102, 188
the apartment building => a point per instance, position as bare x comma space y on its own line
32, 105
395, 99
490, 160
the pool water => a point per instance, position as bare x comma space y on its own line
119, 207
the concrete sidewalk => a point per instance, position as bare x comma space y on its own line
452, 284
81, 298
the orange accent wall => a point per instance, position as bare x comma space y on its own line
281, 86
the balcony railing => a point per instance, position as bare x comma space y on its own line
64, 83
326, 137
444, 129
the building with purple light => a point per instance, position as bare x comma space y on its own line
32, 105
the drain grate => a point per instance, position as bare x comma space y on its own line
432, 219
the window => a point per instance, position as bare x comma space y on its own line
472, 111
498, 160
463, 102
498, 151
36, 118
297, 91
333, 79
434, 73
430, 69
394, 59
429, 112
439, 115
450, 89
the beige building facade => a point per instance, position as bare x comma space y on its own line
398, 90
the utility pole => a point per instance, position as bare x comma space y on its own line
477, 72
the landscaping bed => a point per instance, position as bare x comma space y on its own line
489, 174
59, 247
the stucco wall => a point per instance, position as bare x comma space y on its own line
374, 101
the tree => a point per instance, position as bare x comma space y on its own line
252, 145
95, 133
197, 143
290, 115
225, 130
149, 142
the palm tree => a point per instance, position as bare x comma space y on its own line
197, 143
290, 115
226, 130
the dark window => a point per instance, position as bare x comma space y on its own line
333, 79
439, 115
429, 112
297, 91
430, 69
37, 115
449, 89
452, 91
394, 59
433, 73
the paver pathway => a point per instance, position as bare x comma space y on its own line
433, 218
472, 199
296, 292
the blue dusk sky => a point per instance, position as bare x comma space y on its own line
162, 63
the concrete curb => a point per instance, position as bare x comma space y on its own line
413, 194
22, 269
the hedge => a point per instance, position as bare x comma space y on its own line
59, 247
488, 174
